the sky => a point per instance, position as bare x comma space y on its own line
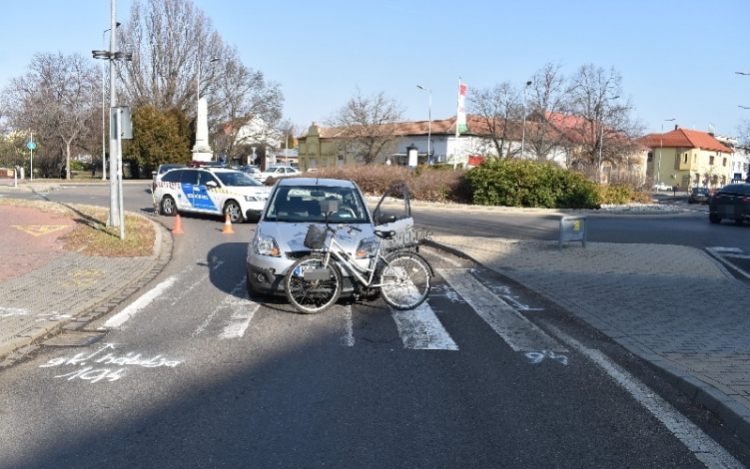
678, 59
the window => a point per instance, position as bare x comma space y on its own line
172, 176
685, 158
725, 162
711, 160
650, 156
189, 177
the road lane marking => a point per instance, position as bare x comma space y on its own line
703, 447
134, 308
518, 332
40, 230
420, 329
243, 310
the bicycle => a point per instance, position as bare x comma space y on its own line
314, 282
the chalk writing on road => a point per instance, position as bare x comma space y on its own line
538, 357
111, 366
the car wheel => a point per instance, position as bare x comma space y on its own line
714, 218
168, 207
233, 210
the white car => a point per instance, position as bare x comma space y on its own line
277, 172
212, 191
661, 186
294, 204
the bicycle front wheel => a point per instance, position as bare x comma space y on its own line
405, 280
312, 287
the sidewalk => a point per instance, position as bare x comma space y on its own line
682, 319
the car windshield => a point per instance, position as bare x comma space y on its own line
309, 204
236, 178
700, 190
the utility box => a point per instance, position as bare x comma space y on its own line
572, 228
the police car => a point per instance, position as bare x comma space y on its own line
213, 191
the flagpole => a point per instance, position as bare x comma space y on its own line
458, 109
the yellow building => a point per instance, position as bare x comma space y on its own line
688, 158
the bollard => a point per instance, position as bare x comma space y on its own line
572, 229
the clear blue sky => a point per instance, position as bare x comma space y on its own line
678, 58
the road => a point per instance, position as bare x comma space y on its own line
191, 373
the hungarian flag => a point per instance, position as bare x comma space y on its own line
461, 126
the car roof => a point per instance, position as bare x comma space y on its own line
315, 182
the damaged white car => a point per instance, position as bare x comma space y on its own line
294, 204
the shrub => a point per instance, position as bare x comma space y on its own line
616, 195
529, 184
423, 182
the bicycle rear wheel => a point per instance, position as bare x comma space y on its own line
405, 280
312, 287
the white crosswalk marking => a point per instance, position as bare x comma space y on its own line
517, 331
243, 311
421, 329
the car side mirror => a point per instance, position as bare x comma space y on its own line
386, 219
153, 173
212, 184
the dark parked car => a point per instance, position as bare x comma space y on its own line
731, 202
699, 195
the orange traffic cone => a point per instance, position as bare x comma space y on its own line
177, 225
228, 226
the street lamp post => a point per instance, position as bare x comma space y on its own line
115, 179
104, 109
523, 131
198, 86
429, 114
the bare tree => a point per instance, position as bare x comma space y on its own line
242, 95
500, 110
605, 126
58, 99
547, 95
366, 125
175, 46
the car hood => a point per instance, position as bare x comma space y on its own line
250, 190
291, 236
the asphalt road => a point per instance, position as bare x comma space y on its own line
194, 374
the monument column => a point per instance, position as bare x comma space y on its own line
202, 150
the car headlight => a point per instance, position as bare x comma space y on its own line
368, 247
266, 246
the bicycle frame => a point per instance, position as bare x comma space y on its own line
365, 276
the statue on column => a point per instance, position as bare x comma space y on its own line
202, 150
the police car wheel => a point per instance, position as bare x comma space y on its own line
168, 206
234, 211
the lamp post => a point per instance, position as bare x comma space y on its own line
429, 114
661, 148
104, 109
115, 179
198, 86
523, 131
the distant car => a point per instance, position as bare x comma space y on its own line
215, 191
277, 172
661, 186
163, 168
249, 170
699, 195
731, 202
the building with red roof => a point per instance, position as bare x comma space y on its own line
688, 158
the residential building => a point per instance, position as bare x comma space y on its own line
688, 158
740, 164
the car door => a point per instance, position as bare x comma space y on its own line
393, 213
202, 199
